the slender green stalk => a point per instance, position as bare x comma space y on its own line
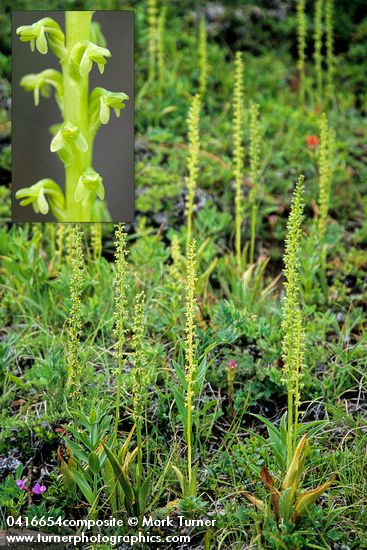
51, 228
326, 160
318, 46
193, 162
140, 379
59, 241
152, 37
293, 340
96, 238
161, 49
69, 243
238, 151
329, 16
302, 31
255, 140
37, 234
191, 365
120, 312
203, 58
77, 24
175, 268
75, 315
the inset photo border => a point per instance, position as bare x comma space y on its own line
72, 116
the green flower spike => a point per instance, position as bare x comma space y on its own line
43, 33
42, 82
83, 55
43, 195
89, 186
66, 140
101, 101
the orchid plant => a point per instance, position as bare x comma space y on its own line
78, 49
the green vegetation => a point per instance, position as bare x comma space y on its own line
209, 359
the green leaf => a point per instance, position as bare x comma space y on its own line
180, 478
84, 487
123, 480
144, 493
286, 501
93, 462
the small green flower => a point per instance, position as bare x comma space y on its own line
66, 140
42, 82
83, 55
89, 186
101, 101
43, 33
40, 195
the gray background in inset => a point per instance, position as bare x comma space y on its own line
113, 155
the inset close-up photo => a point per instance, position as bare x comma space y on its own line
73, 116
195, 379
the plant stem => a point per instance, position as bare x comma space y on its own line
77, 24
253, 231
139, 469
290, 426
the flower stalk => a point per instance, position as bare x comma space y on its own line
293, 335
255, 141
75, 323
191, 365
302, 31
120, 312
238, 116
193, 162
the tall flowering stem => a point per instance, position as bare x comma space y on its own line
82, 115
75, 323
193, 122
238, 151
329, 23
120, 312
96, 240
59, 242
318, 46
255, 142
161, 27
293, 335
203, 58
140, 377
302, 31
191, 363
152, 12
326, 160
